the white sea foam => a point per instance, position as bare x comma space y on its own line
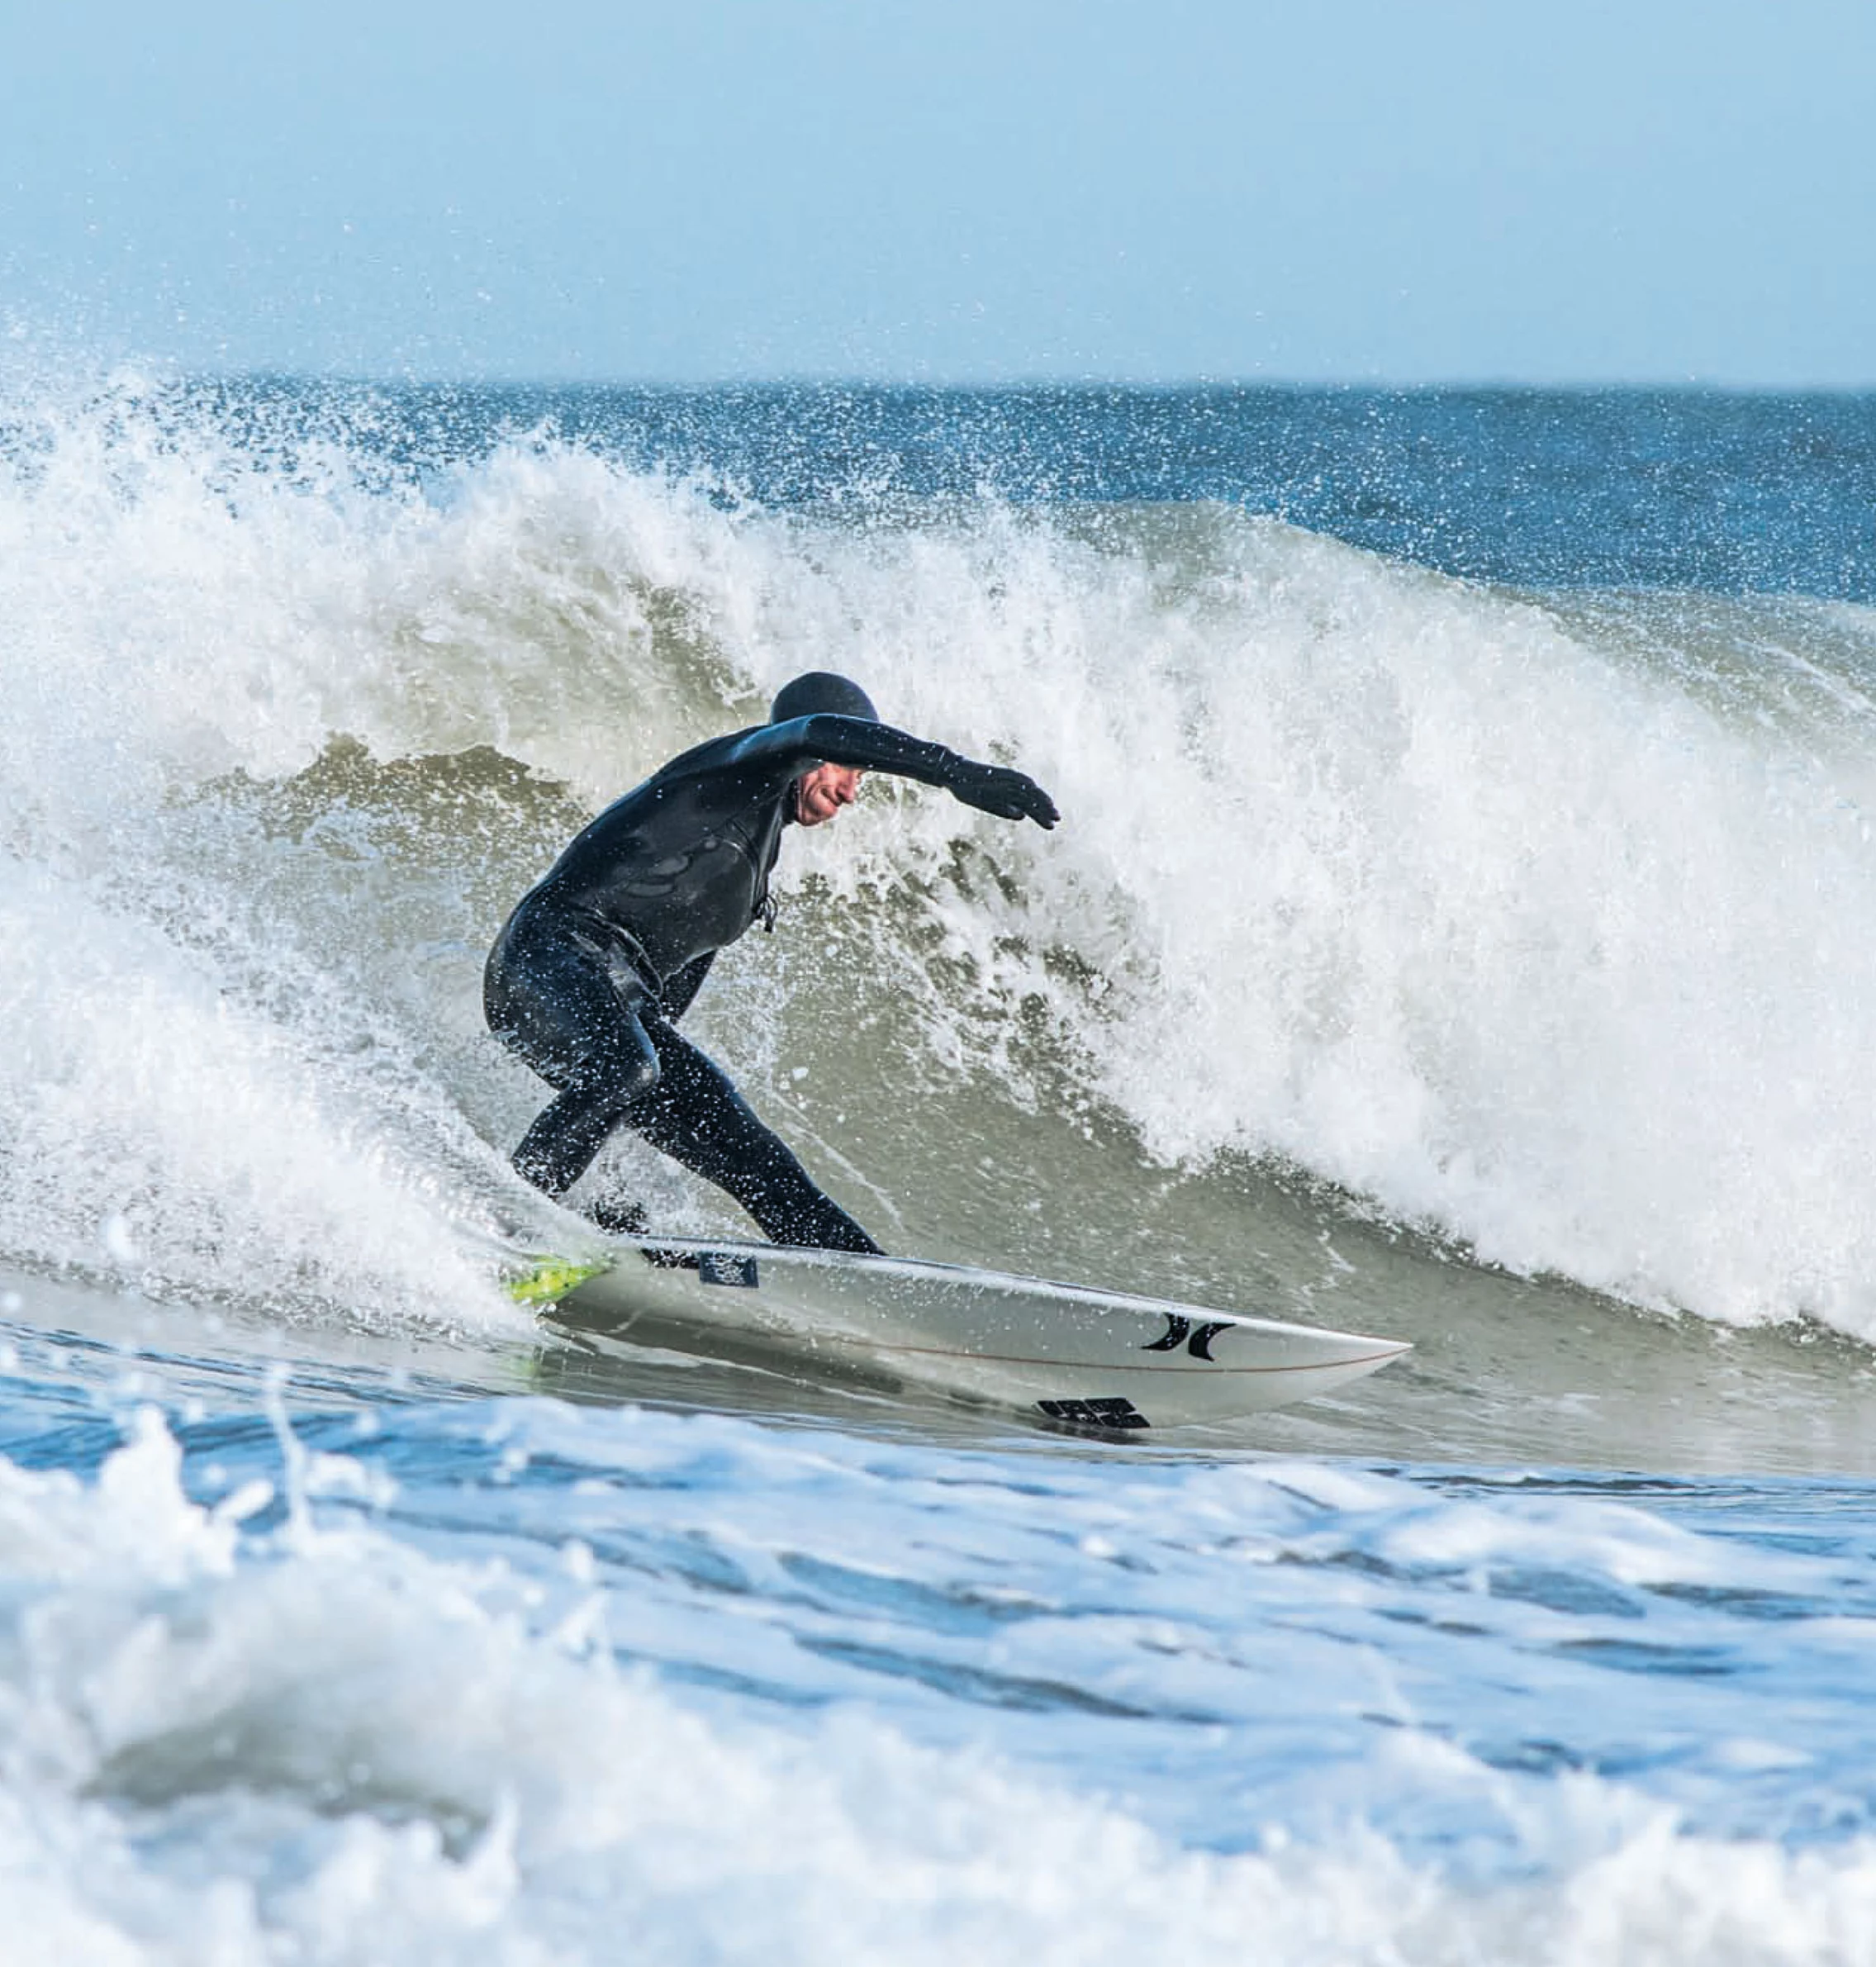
329, 1746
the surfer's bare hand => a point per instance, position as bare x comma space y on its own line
997, 789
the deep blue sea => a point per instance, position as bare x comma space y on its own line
1462, 927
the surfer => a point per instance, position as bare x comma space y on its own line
602, 957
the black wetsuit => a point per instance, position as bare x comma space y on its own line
598, 961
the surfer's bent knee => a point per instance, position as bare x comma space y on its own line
624, 1074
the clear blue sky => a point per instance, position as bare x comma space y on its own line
953, 190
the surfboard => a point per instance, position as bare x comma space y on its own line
1107, 1361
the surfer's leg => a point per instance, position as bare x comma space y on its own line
698, 1118
559, 1006
558, 1148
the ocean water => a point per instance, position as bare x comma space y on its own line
1462, 927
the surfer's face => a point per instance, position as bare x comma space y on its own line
821, 793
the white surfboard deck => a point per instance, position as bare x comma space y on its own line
1076, 1356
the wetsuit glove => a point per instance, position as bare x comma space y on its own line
996, 788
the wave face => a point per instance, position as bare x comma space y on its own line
1545, 923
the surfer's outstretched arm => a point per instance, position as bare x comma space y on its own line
825, 738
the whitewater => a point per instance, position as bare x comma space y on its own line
1460, 928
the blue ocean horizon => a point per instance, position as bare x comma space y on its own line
1724, 490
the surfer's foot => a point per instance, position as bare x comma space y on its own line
617, 1216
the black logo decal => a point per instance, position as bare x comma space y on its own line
721, 1266
1178, 1332
1095, 1414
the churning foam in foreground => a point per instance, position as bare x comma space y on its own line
1491, 915
328, 1745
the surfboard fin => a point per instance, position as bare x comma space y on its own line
550, 1279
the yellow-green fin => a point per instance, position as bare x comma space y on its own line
551, 1279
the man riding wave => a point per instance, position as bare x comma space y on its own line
602, 957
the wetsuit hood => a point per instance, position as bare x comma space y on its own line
819, 693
